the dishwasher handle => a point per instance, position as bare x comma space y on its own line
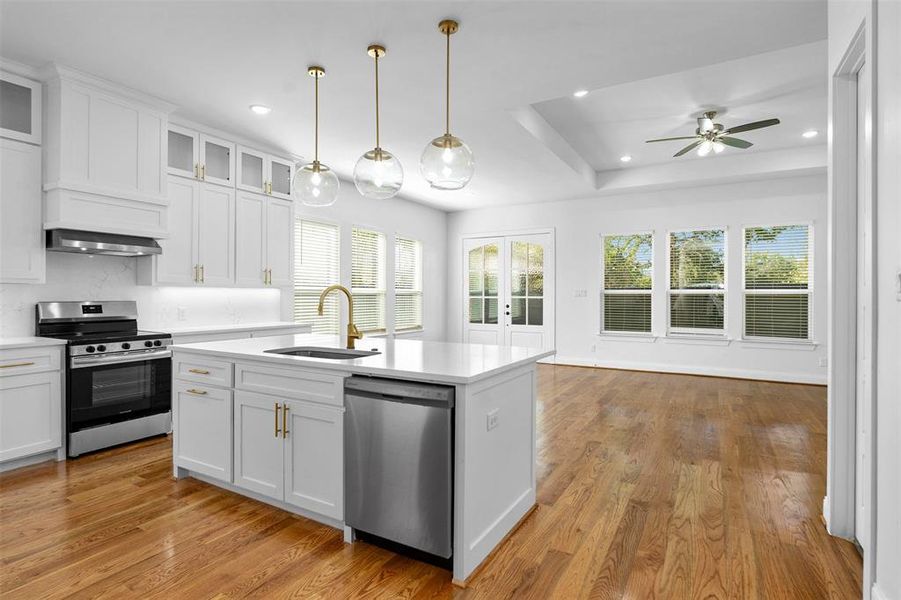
423, 394
447, 404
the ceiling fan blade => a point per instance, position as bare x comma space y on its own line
687, 137
688, 148
754, 125
735, 142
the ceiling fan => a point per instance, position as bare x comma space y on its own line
710, 136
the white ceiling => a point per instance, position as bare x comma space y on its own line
214, 58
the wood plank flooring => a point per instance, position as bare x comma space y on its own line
650, 486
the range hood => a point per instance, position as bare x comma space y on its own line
91, 242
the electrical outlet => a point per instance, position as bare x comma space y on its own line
181, 313
580, 293
823, 361
492, 419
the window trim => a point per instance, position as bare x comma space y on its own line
383, 291
419, 289
298, 218
684, 332
810, 339
602, 290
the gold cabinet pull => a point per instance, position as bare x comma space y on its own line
196, 171
196, 392
201, 274
285, 421
277, 430
18, 364
199, 371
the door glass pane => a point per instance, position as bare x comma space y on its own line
16, 103
281, 178
519, 262
536, 311
181, 151
491, 310
216, 161
536, 271
475, 310
251, 170
518, 311
490, 283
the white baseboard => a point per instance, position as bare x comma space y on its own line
876, 593
693, 370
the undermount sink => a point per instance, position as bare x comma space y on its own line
322, 352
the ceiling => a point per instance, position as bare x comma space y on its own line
214, 58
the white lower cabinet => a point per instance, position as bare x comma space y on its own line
30, 414
203, 426
290, 451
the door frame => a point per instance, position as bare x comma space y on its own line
839, 505
464, 274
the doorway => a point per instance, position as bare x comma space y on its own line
508, 289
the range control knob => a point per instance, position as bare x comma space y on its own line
89, 349
157, 343
148, 344
101, 348
126, 346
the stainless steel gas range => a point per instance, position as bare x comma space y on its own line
118, 379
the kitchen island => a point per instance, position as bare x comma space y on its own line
271, 425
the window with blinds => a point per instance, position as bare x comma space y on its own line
697, 276
368, 279
777, 282
627, 267
407, 284
316, 266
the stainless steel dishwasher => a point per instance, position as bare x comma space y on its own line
398, 452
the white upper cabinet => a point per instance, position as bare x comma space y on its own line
200, 156
264, 173
105, 154
216, 235
20, 118
178, 262
21, 235
263, 240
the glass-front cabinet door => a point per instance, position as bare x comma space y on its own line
20, 116
217, 160
184, 152
281, 172
252, 174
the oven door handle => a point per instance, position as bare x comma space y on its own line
93, 361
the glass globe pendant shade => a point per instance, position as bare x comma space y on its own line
447, 163
316, 185
378, 174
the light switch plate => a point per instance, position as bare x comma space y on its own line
492, 420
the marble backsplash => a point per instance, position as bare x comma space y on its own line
79, 277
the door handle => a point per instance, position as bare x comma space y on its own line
285, 421
277, 430
18, 364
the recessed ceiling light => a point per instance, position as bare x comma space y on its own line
625, 158
259, 109
810, 133
580, 93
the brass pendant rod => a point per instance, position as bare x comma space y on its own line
377, 145
447, 85
316, 145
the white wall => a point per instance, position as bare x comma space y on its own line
78, 277
578, 224
393, 216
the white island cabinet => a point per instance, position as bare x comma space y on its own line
271, 426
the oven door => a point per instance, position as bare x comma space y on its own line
106, 389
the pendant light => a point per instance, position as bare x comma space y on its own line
447, 162
314, 183
378, 174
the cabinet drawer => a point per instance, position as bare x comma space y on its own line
201, 370
297, 384
20, 361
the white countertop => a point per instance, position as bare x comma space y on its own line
444, 362
197, 329
29, 342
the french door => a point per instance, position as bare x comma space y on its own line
508, 285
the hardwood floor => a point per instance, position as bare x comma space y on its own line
650, 486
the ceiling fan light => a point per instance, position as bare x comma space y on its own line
705, 148
718, 146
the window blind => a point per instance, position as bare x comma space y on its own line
316, 266
368, 279
777, 282
407, 284
627, 263
697, 275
